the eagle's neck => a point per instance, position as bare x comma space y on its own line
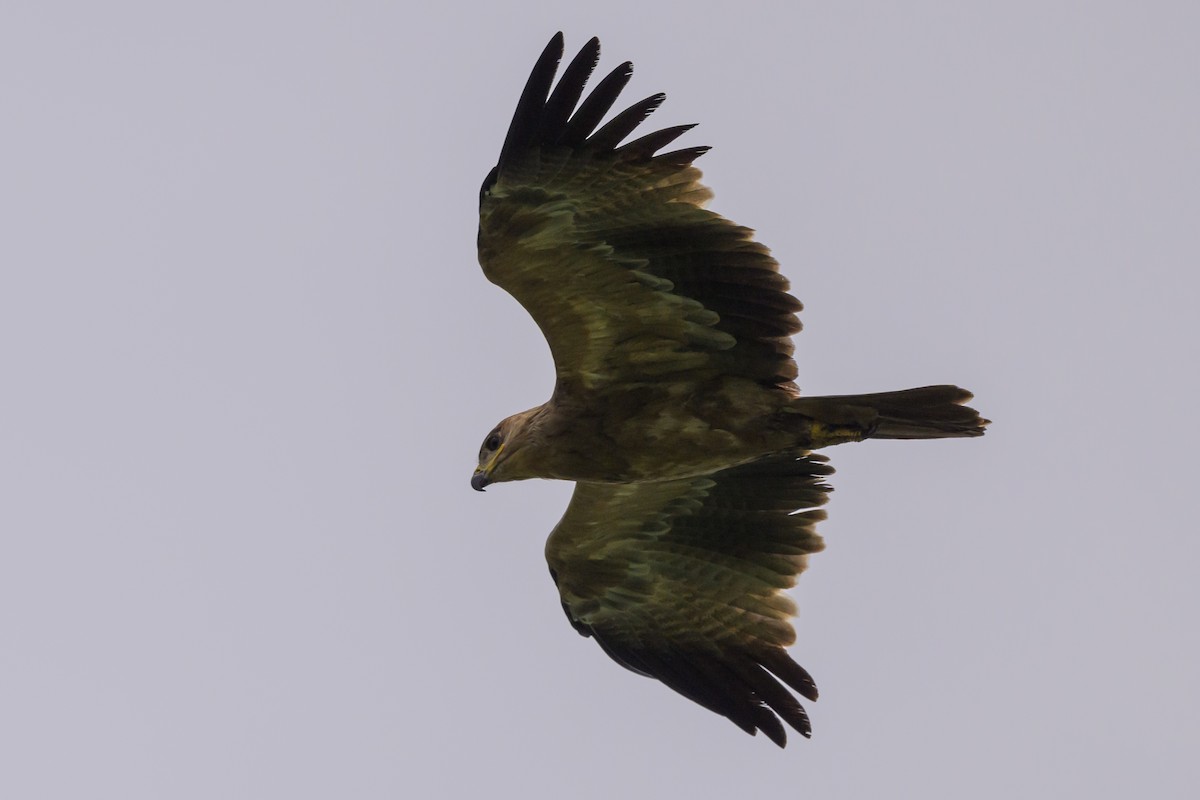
563, 441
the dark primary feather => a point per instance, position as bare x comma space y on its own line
620, 126
682, 581
571, 219
566, 95
526, 121
597, 104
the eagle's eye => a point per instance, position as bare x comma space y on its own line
491, 442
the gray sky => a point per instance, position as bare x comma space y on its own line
248, 359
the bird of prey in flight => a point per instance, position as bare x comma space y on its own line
675, 409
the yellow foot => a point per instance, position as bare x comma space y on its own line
825, 435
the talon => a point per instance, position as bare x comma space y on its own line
825, 435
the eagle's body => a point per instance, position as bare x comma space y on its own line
675, 407
620, 437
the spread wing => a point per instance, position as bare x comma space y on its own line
609, 249
683, 581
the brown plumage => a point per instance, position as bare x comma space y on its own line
674, 407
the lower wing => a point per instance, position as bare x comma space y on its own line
684, 581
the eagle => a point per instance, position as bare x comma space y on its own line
675, 409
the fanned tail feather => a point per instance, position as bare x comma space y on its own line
929, 412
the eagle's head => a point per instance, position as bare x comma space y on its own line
500, 455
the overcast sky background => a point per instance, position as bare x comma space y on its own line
248, 358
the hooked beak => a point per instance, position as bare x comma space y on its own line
483, 474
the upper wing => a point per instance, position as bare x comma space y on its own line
608, 248
683, 581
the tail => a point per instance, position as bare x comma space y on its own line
930, 412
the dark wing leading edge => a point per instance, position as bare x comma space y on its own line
683, 581
608, 248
